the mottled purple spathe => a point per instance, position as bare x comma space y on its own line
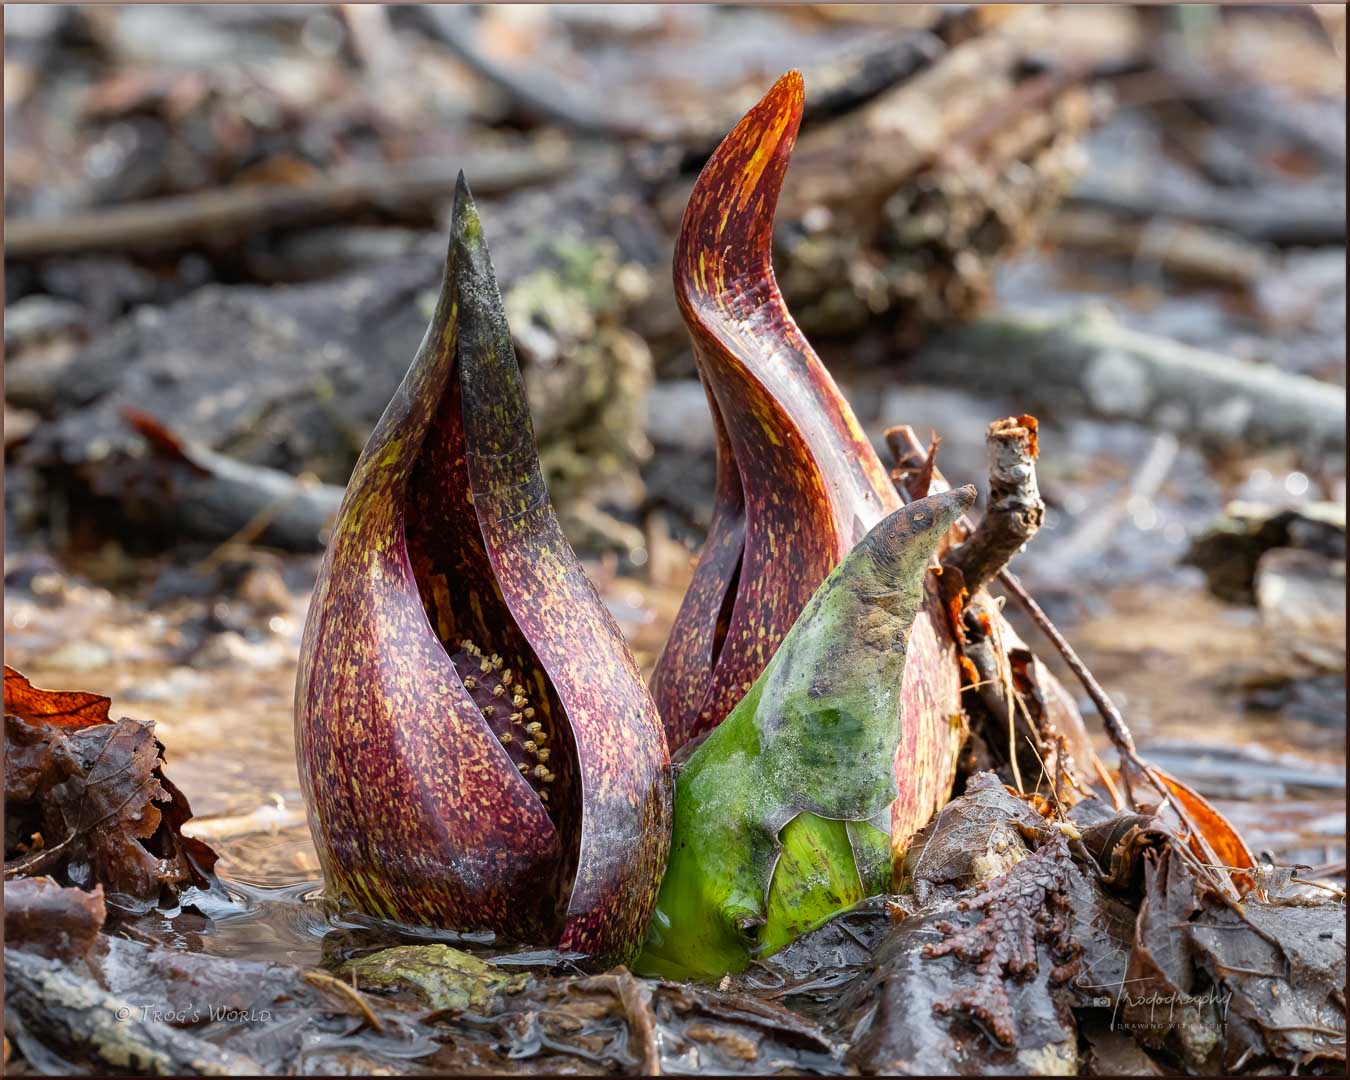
446, 533
798, 482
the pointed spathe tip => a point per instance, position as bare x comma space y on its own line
465, 227
728, 224
774, 120
790, 88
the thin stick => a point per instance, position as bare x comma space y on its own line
1105, 777
324, 981
1009, 697
179, 221
247, 533
1116, 728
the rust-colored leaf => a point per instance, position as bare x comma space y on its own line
476, 745
60, 708
87, 801
1223, 840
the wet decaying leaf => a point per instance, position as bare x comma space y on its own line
809, 974
972, 839
87, 801
53, 921
1024, 948
439, 976
814, 737
1241, 983
1018, 960
132, 1007
1118, 844
1214, 839
476, 745
617, 1023
1025, 906
916, 1031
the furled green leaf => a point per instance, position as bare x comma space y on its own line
814, 737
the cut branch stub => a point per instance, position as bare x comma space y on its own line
476, 746
1015, 509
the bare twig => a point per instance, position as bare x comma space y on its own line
905, 445
1088, 364
323, 981
1116, 729
529, 87
1188, 251
1309, 215
232, 502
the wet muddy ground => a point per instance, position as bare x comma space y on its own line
1204, 685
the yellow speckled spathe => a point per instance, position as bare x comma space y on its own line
418, 809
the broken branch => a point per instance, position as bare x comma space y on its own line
1077, 366
181, 221
1015, 510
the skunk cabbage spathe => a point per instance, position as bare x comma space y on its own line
476, 746
798, 483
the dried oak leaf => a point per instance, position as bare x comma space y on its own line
87, 802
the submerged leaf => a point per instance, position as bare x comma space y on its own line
476, 745
46, 918
815, 736
441, 977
